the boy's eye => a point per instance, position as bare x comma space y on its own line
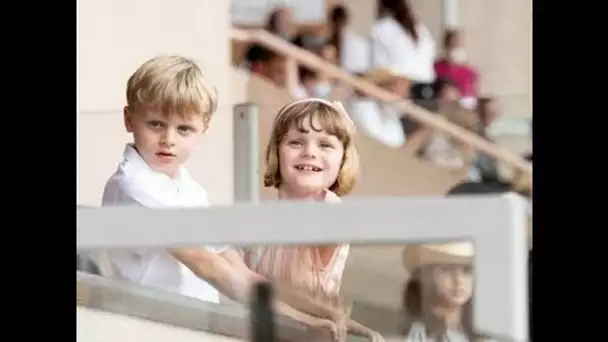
156, 124
186, 129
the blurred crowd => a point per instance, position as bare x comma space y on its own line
400, 55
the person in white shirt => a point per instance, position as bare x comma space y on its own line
352, 49
401, 42
381, 121
169, 106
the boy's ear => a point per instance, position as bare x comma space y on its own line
127, 119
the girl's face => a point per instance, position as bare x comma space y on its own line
309, 160
453, 283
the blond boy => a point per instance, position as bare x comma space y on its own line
169, 107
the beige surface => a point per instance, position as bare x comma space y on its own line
114, 38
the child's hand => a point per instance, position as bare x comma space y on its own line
375, 336
337, 330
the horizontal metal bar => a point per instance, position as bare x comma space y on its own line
496, 224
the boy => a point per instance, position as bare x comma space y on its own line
169, 107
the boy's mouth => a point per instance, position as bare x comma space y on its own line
165, 155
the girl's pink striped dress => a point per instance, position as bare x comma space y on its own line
301, 267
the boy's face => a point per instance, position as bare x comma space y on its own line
164, 142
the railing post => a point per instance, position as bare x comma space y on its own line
291, 74
246, 153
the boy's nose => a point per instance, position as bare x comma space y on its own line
168, 139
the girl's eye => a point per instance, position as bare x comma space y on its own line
326, 145
295, 143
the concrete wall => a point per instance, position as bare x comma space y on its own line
114, 38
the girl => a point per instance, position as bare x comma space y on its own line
437, 297
311, 155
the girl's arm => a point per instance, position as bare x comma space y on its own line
363, 331
228, 273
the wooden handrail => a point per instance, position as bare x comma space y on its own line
437, 122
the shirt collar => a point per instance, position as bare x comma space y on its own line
133, 158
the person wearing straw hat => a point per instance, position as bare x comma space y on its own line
437, 297
382, 121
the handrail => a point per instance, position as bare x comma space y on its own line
129, 299
312, 61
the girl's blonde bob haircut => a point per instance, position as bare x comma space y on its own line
333, 120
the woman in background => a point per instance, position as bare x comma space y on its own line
404, 44
280, 22
352, 49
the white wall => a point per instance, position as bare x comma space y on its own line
114, 38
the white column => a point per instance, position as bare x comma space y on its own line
246, 153
449, 13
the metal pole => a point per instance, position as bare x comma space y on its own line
450, 14
246, 153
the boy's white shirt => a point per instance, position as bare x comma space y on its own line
135, 183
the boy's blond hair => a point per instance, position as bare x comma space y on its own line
173, 85
334, 121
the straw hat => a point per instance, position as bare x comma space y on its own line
416, 256
382, 75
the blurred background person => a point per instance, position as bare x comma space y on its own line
352, 49
266, 63
378, 120
487, 111
449, 153
403, 43
280, 23
454, 66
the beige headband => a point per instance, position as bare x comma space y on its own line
337, 105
